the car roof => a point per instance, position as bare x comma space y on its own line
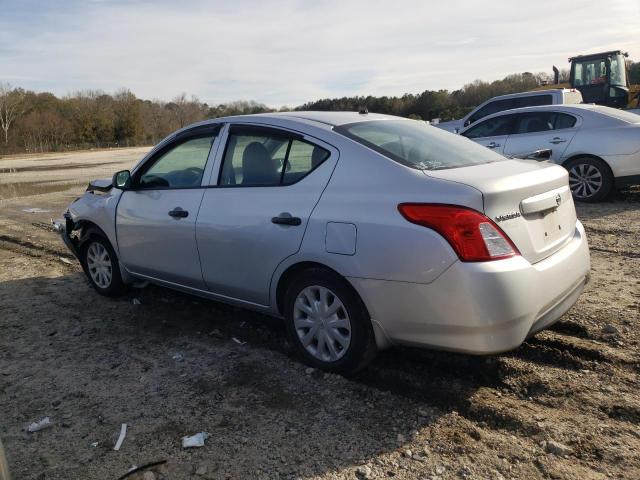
575, 108
529, 93
331, 119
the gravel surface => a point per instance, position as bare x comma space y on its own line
564, 405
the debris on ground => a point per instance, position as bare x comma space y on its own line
178, 357
123, 433
238, 341
136, 301
558, 448
35, 210
40, 425
610, 329
65, 260
196, 440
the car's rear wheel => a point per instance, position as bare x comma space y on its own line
100, 263
327, 322
590, 179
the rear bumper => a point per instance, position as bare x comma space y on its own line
480, 308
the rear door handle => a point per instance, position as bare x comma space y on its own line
286, 219
179, 213
557, 140
493, 145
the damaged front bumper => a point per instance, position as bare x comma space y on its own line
65, 227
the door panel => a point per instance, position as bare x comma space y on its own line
496, 143
556, 140
540, 130
156, 219
155, 244
244, 230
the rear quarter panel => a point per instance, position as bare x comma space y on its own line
365, 190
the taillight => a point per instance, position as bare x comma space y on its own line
472, 235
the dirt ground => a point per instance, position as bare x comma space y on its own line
564, 405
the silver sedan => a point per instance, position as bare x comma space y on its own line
362, 231
600, 146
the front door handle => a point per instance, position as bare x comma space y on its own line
178, 213
286, 219
557, 140
493, 145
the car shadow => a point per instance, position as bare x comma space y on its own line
169, 365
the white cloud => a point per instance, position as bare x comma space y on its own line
290, 51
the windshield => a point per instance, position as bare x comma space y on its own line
418, 145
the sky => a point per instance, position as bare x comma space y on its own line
287, 52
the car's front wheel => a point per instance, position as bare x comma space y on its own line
590, 179
101, 266
328, 323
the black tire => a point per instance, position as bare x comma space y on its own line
599, 172
362, 347
116, 286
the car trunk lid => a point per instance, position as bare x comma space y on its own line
531, 202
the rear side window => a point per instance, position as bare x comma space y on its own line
418, 145
563, 120
263, 158
543, 121
532, 101
535, 122
501, 125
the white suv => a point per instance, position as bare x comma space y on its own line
511, 101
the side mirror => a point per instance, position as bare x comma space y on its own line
122, 179
539, 155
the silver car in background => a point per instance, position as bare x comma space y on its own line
362, 231
599, 146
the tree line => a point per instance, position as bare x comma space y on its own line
41, 122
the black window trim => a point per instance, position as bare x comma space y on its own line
554, 112
271, 131
178, 139
496, 115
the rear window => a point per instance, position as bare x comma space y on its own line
417, 145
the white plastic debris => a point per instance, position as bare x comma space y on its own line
35, 210
196, 440
178, 357
40, 425
95, 444
123, 433
136, 301
238, 341
66, 260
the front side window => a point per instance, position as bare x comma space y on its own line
180, 166
417, 145
502, 125
491, 108
259, 158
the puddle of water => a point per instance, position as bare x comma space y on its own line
47, 168
24, 189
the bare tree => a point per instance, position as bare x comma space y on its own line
10, 107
